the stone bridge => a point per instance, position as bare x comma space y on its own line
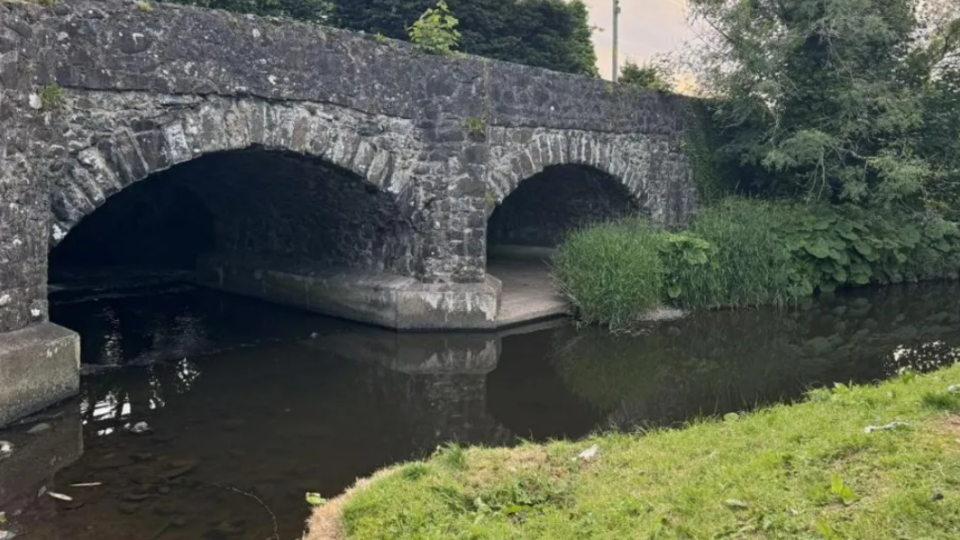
339, 172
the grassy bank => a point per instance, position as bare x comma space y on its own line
747, 253
809, 470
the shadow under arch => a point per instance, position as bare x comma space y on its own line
546, 206
253, 202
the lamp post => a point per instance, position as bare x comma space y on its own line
616, 18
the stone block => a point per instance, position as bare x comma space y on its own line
39, 366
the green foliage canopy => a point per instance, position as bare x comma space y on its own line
831, 99
649, 76
553, 34
546, 33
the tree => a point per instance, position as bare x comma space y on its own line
546, 33
825, 98
650, 76
553, 34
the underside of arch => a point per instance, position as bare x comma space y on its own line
546, 206
252, 203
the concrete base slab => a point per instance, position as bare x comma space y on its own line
528, 292
39, 366
391, 301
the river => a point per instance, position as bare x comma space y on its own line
249, 406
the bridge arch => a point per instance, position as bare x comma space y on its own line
555, 180
284, 171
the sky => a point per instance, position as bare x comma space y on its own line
647, 28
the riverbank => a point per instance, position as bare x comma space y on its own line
748, 252
851, 462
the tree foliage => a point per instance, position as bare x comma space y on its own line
436, 30
546, 33
650, 76
553, 34
832, 99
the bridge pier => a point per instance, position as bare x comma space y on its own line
39, 366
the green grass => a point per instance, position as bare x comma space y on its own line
806, 471
612, 272
750, 264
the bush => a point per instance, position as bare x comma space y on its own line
612, 272
842, 246
748, 253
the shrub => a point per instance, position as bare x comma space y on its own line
436, 30
842, 246
612, 272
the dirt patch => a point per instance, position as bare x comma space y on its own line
949, 427
326, 522
490, 465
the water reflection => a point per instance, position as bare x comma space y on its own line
717, 362
275, 402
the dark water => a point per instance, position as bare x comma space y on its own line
252, 405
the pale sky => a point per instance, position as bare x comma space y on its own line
647, 28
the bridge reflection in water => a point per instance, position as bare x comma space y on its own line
275, 403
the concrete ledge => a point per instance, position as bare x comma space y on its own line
39, 366
387, 300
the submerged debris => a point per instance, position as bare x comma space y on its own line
59, 496
39, 428
886, 427
6, 449
140, 428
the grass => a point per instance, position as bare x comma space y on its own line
612, 271
806, 471
750, 265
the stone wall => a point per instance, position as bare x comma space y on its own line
95, 96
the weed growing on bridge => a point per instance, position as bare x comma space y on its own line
436, 30
143, 5
476, 127
51, 96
